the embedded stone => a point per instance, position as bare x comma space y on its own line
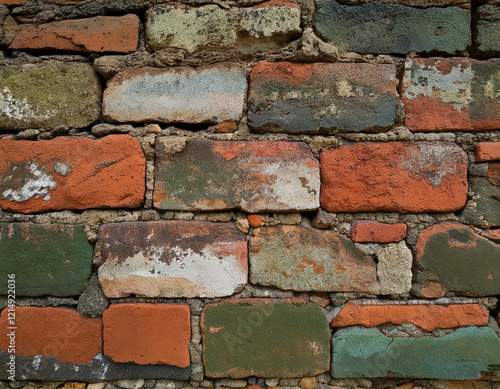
322, 97
71, 173
487, 30
486, 210
487, 151
394, 268
454, 257
49, 94
46, 259
59, 332
264, 338
172, 259
426, 316
267, 26
394, 176
469, 353
100, 34
451, 94
372, 231
307, 259
206, 94
147, 334
206, 175
392, 28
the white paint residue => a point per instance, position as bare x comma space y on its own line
433, 162
210, 274
35, 363
20, 109
453, 88
37, 186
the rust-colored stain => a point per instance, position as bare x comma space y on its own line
318, 269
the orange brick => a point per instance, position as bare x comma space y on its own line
426, 316
487, 151
373, 231
147, 333
119, 34
59, 332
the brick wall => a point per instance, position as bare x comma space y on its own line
291, 193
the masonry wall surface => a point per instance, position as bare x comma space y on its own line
249, 194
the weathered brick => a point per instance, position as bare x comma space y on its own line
487, 30
373, 231
394, 176
172, 259
467, 354
49, 94
322, 97
487, 151
98, 34
208, 175
207, 94
485, 210
59, 332
147, 333
451, 94
451, 257
426, 316
71, 173
306, 259
392, 28
267, 26
47, 259
264, 338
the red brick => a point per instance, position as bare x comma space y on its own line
98, 34
373, 231
71, 173
426, 316
487, 151
59, 332
147, 333
394, 176
451, 94
255, 220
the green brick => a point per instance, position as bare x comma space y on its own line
264, 338
487, 41
53, 259
383, 28
467, 354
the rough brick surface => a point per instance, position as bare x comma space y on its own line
59, 332
452, 257
47, 259
466, 354
485, 210
147, 333
264, 338
487, 28
394, 176
391, 28
172, 259
49, 94
426, 316
306, 259
12, 2
319, 97
99, 34
451, 94
207, 94
373, 231
71, 173
487, 151
208, 175
269, 25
